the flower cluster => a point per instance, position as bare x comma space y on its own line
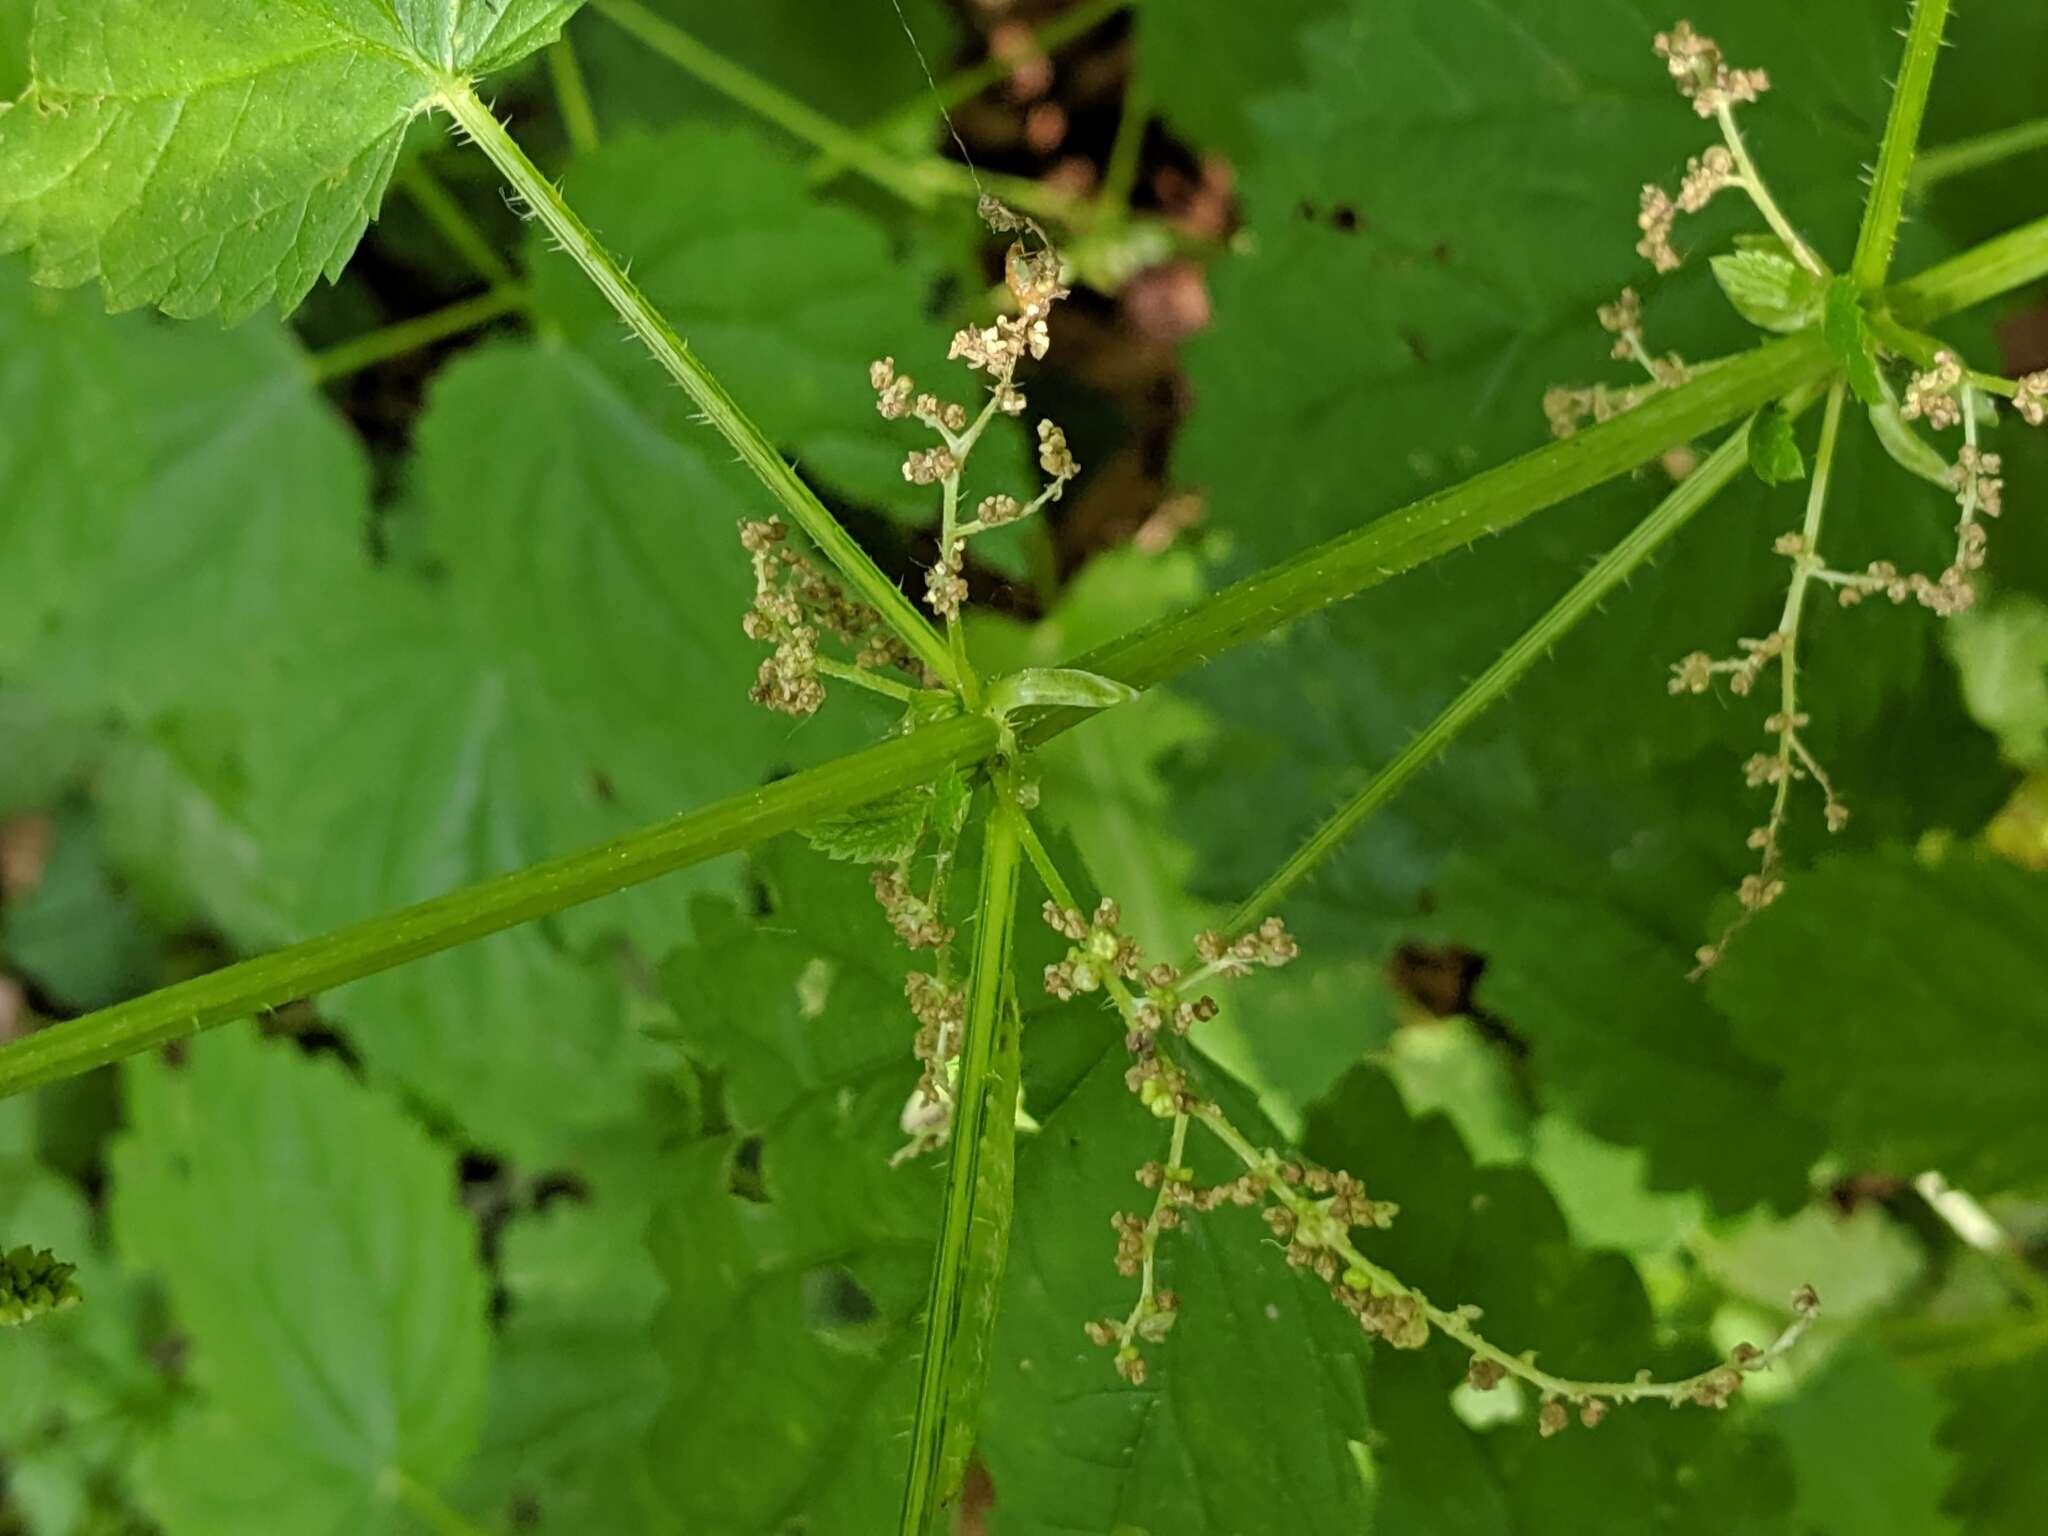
1657, 212
1155, 1000
1311, 1211
1032, 275
795, 605
33, 1283
1704, 77
1568, 407
937, 1000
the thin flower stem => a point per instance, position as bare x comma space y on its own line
1176, 1150
572, 95
1759, 192
719, 409
967, 1264
1694, 492
1792, 755
405, 336
769, 102
454, 225
1935, 166
861, 677
1880, 230
1456, 1323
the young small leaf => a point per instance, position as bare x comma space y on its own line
1068, 686
880, 832
210, 155
1773, 449
34, 1282
1769, 289
1909, 450
1847, 334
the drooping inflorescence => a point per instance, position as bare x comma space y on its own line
1311, 1211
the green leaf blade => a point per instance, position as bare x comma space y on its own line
1916, 991
209, 157
269, 1190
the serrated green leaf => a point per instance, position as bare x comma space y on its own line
82, 1388
186, 518
575, 1380
15, 18
1847, 333
454, 753
880, 832
796, 1257
1773, 449
1769, 288
1623, 1041
1243, 1420
1860, 1435
1899, 1001
1995, 1414
76, 933
269, 1191
203, 156
1205, 78
65, 389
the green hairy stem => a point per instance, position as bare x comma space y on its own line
1880, 231
967, 1265
363, 949
1672, 513
719, 408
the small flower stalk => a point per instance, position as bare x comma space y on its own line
1715, 88
1032, 275
1569, 407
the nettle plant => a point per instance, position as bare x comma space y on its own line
218, 158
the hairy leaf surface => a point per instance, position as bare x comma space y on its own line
203, 156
